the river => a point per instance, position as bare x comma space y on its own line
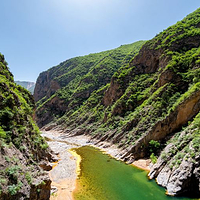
86, 173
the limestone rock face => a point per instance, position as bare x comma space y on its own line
177, 180
112, 94
180, 179
45, 86
176, 170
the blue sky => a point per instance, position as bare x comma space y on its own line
38, 34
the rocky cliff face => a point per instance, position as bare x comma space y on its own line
177, 168
22, 149
151, 107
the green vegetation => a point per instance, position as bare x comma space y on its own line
80, 76
21, 144
2, 133
154, 146
173, 36
140, 101
127, 98
13, 189
153, 158
28, 177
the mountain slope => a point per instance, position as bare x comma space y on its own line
30, 86
151, 108
22, 147
65, 87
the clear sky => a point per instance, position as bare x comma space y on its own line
38, 34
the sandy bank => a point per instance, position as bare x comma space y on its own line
63, 174
143, 164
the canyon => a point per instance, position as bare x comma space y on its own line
142, 98
146, 102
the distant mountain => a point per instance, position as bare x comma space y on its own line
30, 86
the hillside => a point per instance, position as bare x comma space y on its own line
22, 147
150, 108
30, 86
64, 88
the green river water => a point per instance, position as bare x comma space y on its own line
102, 177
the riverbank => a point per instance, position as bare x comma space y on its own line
64, 172
63, 175
143, 164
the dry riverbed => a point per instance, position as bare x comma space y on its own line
63, 174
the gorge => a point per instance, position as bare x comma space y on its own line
150, 107
140, 100
99, 175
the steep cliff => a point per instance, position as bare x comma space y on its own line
151, 107
22, 149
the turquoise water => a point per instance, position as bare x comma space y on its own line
104, 178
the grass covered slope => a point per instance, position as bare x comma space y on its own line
21, 146
150, 89
66, 87
151, 107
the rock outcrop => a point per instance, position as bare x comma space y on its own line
177, 168
45, 86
